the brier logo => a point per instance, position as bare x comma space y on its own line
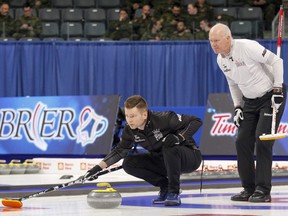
42, 124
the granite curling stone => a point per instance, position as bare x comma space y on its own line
104, 198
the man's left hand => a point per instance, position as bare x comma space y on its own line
277, 98
173, 139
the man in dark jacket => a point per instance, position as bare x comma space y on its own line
171, 150
6, 21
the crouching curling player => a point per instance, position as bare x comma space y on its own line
171, 149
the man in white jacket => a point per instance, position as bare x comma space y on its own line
255, 78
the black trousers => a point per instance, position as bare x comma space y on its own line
257, 121
163, 169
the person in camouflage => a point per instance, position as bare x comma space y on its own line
268, 8
203, 34
7, 27
182, 32
170, 19
163, 6
134, 5
155, 33
122, 28
143, 23
27, 25
193, 18
204, 8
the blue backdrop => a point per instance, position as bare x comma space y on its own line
167, 73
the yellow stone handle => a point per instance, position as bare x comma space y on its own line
107, 189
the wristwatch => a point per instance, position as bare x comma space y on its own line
277, 90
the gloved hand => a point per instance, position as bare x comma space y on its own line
277, 98
238, 116
90, 174
173, 139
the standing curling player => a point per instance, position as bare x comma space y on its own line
255, 78
171, 150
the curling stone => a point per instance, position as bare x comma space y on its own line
5, 169
31, 167
17, 167
104, 198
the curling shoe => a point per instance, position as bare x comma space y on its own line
260, 196
173, 199
242, 196
161, 197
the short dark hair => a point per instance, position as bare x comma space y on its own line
136, 101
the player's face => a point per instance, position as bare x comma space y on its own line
136, 118
219, 43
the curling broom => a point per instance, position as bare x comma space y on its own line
273, 135
17, 203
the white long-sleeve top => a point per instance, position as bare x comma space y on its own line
250, 69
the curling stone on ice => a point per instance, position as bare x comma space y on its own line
104, 198
17, 167
31, 166
5, 169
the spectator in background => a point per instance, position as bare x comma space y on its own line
37, 4
121, 28
143, 23
170, 18
134, 5
27, 25
7, 27
193, 18
203, 33
182, 33
204, 8
155, 33
162, 6
268, 8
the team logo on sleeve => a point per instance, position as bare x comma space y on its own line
264, 52
157, 134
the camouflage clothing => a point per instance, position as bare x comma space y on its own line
162, 6
206, 9
183, 35
169, 25
141, 25
201, 35
159, 35
193, 21
33, 22
120, 29
7, 26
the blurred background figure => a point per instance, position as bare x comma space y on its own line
182, 32
27, 25
7, 27
203, 32
121, 28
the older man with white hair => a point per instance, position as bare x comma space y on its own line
255, 78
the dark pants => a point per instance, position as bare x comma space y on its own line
257, 121
163, 169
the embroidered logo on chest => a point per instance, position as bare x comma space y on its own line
240, 63
138, 139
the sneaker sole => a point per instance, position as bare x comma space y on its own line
158, 202
171, 203
259, 201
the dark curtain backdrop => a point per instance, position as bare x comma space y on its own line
166, 73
